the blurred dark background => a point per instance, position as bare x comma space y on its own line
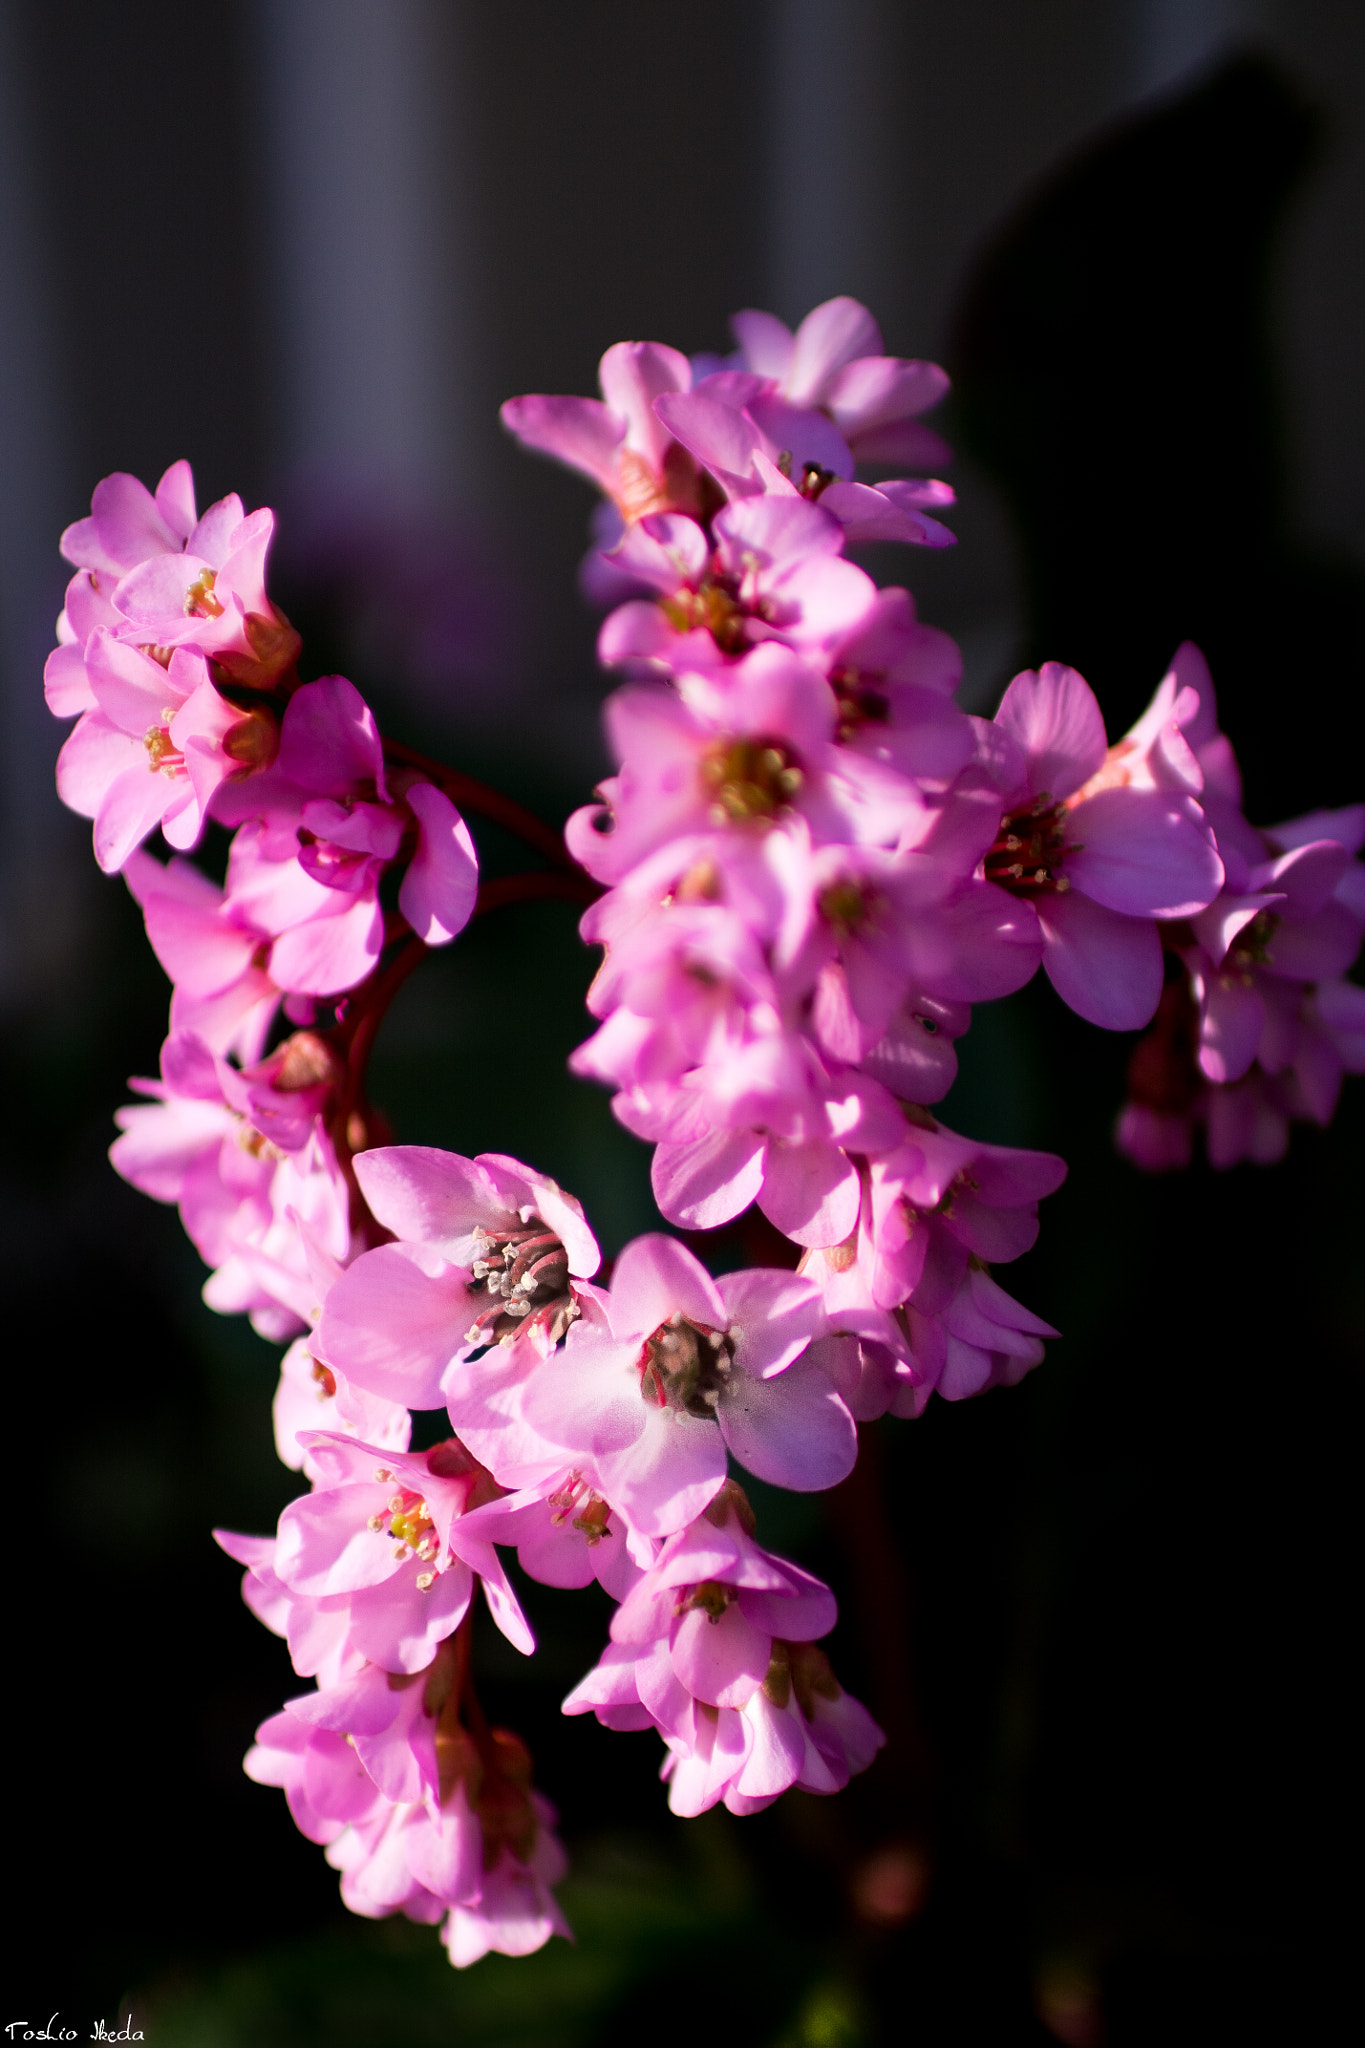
311, 244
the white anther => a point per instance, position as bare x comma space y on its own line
425, 1581
376, 1523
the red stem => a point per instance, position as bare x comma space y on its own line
467, 793
535, 888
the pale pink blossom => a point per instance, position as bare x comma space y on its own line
245, 1157
319, 834
1100, 842
214, 957
154, 750
680, 1369
618, 441
384, 1530
488, 1270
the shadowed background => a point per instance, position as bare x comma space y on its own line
311, 244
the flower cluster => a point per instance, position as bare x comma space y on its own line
808, 867
423, 1807
815, 863
1257, 1023
191, 710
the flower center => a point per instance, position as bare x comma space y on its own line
200, 602
859, 704
1251, 947
591, 1514
407, 1520
848, 905
749, 779
686, 1366
1030, 848
710, 1597
162, 752
712, 606
525, 1271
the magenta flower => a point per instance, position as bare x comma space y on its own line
773, 571
744, 751
681, 1368
618, 441
246, 1159
489, 1253
714, 1648
153, 750
383, 1529
222, 993
306, 867
834, 361
1100, 846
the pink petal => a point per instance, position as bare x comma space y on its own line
721, 439
175, 501
653, 1277
633, 374
580, 431
393, 1321
66, 686
329, 740
809, 1191
827, 338
1107, 968
704, 1184
1052, 714
438, 891
793, 1430
1233, 1020
1142, 855
329, 954
720, 1661
766, 341
879, 389
774, 1316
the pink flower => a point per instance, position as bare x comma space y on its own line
322, 1776
313, 1397
222, 992
154, 749
567, 1534
909, 1298
1098, 841
383, 1529
744, 751
679, 1369
834, 361
713, 1647
773, 571
754, 444
516, 1911
618, 442
246, 1159
127, 525
306, 867
488, 1254
157, 576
